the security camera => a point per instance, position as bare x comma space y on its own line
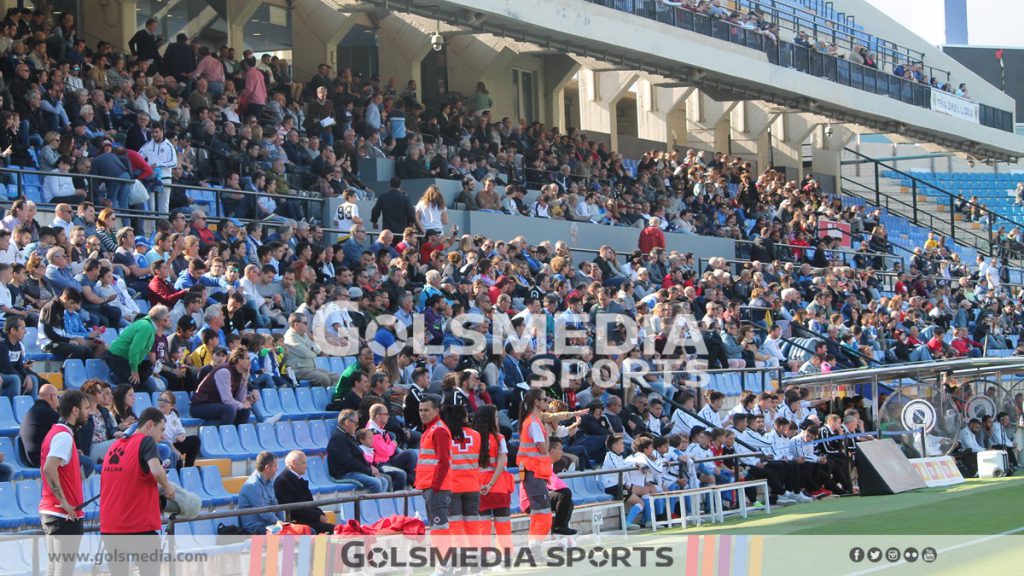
437, 42
828, 131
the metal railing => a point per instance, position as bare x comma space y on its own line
946, 222
809, 61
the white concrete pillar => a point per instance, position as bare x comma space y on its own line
827, 153
558, 72
653, 106
239, 12
112, 21
710, 120
401, 50
317, 29
599, 92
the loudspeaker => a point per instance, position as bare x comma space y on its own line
883, 469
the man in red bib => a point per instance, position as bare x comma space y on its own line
129, 499
60, 508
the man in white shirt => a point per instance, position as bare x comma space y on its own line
59, 187
969, 447
682, 422
160, 153
772, 346
780, 446
1001, 438
757, 469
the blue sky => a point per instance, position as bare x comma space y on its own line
988, 23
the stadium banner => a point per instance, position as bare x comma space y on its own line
937, 471
676, 553
956, 106
838, 230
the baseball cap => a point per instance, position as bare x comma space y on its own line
142, 242
355, 293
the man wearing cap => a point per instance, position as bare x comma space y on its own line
161, 155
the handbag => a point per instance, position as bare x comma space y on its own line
138, 194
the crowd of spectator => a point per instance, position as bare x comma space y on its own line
211, 286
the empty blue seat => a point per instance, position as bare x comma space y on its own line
11, 456
369, 511
304, 438
390, 507
22, 404
214, 485
96, 368
11, 515
323, 363
304, 398
337, 365
8, 423
318, 477
283, 431
193, 482
250, 441
210, 445
321, 398
30, 492
183, 403
268, 439
319, 433
74, 374
289, 405
231, 443
271, 401
142, 401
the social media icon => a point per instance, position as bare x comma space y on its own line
857, 554
910, 555
929, 554
875, 554
892, 554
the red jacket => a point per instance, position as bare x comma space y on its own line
650, 238
140, 168
396, 524
161, 292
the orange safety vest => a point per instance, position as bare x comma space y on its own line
427, 462
505, 483
466, 462
529, 456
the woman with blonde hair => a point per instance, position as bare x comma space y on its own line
48, 154
431, 213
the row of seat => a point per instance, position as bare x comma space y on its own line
246, 441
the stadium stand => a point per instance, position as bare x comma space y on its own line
786, 303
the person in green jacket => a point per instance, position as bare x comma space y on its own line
128, 357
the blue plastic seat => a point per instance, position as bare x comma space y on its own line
30, 492
268, 439
74, 374
11, 515
304, 438
250, 441
271, 401
214, 484
389, 507
183, 403
142, 401
304, 398
193, 482
11, 456
210, 445
96, 368
289, 404
8, 423
22, 404
321, 398
283, 431
319, 433
231, 443
338, 365
369, 511
319, 478
323, 363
